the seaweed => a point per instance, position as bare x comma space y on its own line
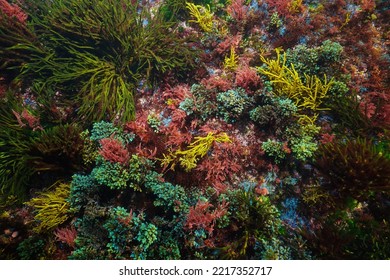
93, 58
26, 154
357, 167
52, 208
173, 129
16, 159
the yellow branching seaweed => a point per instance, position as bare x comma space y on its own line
346, 21
316, 91
231, 61
307, 94
312, 195
295, 6
52, 208
203, 16
307, 120
195, 151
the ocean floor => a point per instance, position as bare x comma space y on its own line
203, 129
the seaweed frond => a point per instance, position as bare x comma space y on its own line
52, 207
355, 167
308, 92
195, 151
203, 16
231, 61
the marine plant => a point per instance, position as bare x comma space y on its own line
357, 167
201, 103
113, 175
90, 148
12, 11
316, 60
195, 151
25, 152
15, 33
66, 235
277, 150
273, 113
114, 166
231, 62
52, 208
308, 94
275, 21
113, 151
355, 232
222, 166
82, 188
288, 160
233, 104
237, 10
103, 129
92, 236
202, 15
32, 248
119, 228
273, 249
147, 236
349, 118
302, 141
247, 78
170, 197
255, 218
173, 10
60, 149
204, 216
92, 58
15, 153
